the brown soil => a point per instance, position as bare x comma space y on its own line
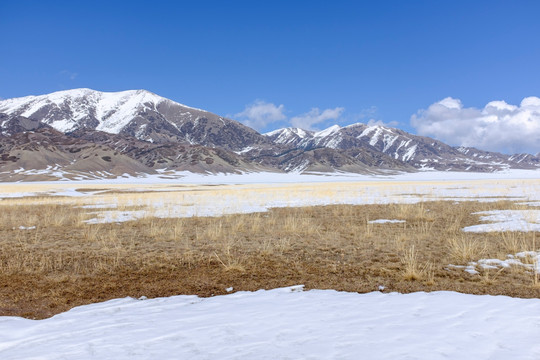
65, 263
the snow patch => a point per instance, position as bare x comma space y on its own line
410, 153
389, 140
507, 220
385, 221
27, 227
529, 260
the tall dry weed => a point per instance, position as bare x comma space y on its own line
411, 267
462, 249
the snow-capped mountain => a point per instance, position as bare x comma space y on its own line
138, 131
289, 136
74, 109
417, 151
138, 113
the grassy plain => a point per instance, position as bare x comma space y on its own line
65, 261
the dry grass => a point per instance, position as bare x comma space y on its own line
411, 270
463, 249
65, 262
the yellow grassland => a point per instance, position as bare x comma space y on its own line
65, 261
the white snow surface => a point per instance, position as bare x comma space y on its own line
285, 323
187, 177
512, 260
507, 220
261, 197
529, 260
26, 227
386, 221
257, 192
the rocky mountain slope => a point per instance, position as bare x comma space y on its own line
419, 152
86, 133
33, 152
138, 113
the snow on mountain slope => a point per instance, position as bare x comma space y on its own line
289, 135
138, 113
329, 137
357, 135
420, 152
291, 131
327, 132
72, 109
396, 143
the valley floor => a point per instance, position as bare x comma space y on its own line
403, 255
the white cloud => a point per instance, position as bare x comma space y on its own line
70, 74
315, 116
260, 114
367, 113
499, 126
373, 122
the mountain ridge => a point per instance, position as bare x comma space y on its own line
153, 131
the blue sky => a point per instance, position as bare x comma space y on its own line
358, 61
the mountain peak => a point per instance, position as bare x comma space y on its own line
328, 131
69, 110
288, 130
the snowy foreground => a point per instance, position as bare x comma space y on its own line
285, 323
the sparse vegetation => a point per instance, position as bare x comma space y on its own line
64, 261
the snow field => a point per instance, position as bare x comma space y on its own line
285, 323
508, 220
179, 198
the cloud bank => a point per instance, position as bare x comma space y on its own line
499, 126
260, 114
70, 74
315, 116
